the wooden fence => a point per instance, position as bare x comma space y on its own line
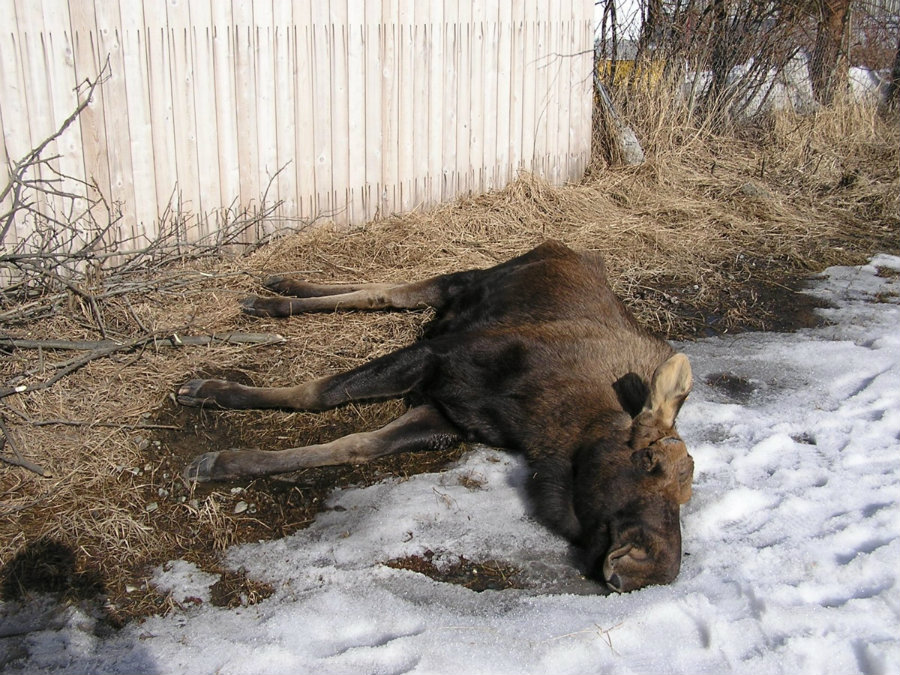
343, 109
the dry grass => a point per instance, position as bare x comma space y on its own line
702, 237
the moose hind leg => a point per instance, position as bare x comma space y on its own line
309, 297
420, 428
300, 288
389, 376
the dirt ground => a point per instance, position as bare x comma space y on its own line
699, 243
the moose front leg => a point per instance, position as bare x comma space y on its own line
308, 297
389, 376
550, 487
420, 428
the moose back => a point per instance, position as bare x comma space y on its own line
535, 355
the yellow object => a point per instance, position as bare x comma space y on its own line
645, 73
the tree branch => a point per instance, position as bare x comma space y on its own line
18, 460
172, 340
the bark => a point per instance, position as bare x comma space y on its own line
894, 87
722, 59
825, 66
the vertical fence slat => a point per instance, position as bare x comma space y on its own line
159, 95
245, 83
418, 133
571, 21
577, 77
371, 137
304, 147
518, 33
206, 124
266, 117
6, 203
115, 131
14, 113
356, 110
38, 122
321, 92
435, 116
563, 85
390, 107
550, 62
184, 116
530, 102
463, 99
285, 122
140, 131
586, 99
340, 109
504, 85
370, 107
492, 108
11, 237
406, 88
478, 78
60, 71
449, 166
223, 64
95, 151
540, 128
373, 140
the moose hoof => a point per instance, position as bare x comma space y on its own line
192, 393
202, 469
256, 306
276, 283
252, 306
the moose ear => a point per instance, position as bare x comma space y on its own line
646, 460
671, 384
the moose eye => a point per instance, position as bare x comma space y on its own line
638, 553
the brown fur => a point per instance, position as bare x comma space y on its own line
536, 355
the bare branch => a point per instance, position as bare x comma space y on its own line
173, 340
17, 460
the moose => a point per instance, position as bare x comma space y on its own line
536, 355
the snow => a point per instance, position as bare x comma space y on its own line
791, 544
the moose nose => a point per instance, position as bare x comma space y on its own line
613, 580
614, 583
